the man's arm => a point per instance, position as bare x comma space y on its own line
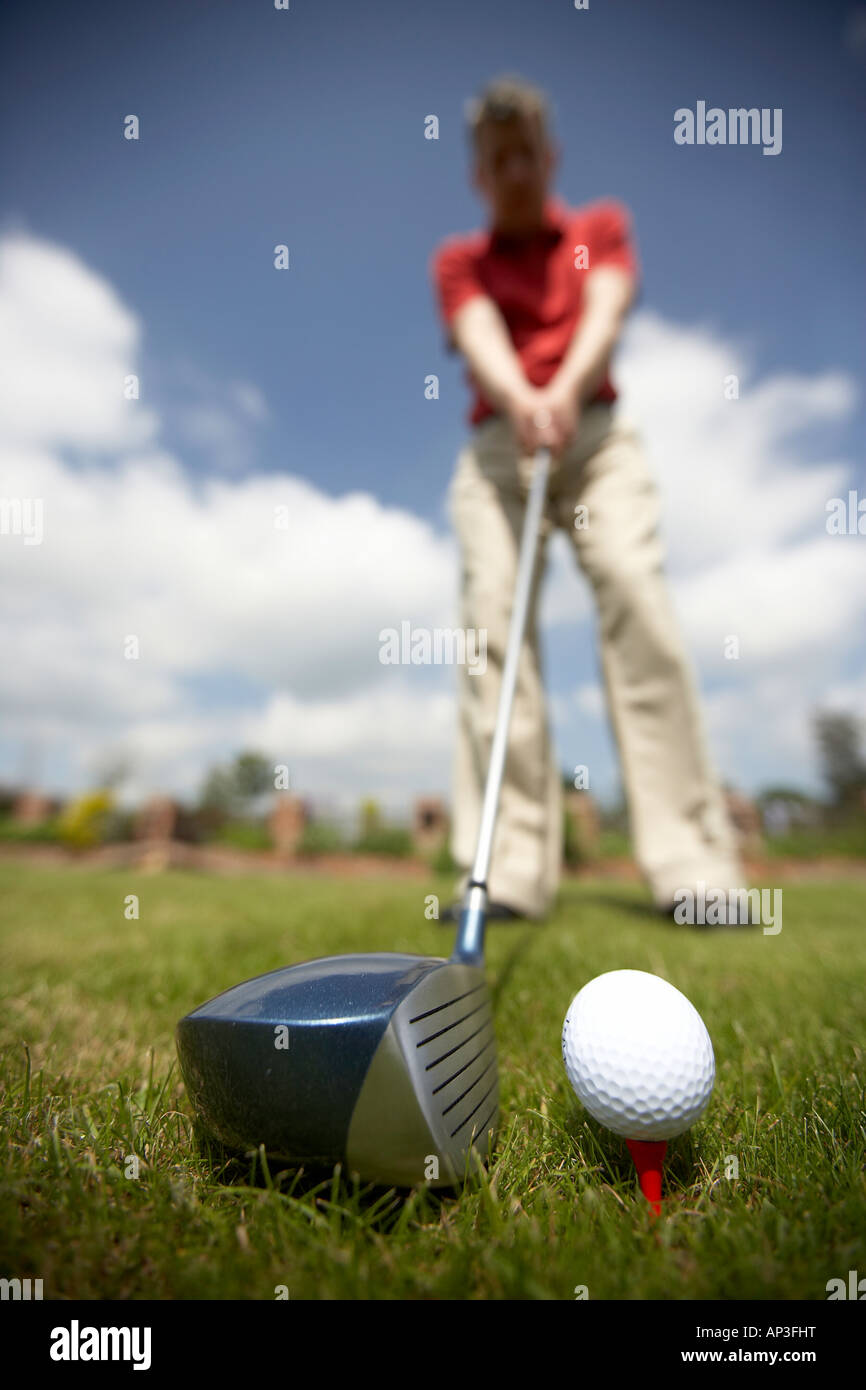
479, 331
608, 296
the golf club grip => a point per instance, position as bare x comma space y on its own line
519, 612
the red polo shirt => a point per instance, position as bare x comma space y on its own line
535, 282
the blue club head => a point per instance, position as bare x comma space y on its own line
385, 1063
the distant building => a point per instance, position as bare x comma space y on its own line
34, 808
746, 820
163, 819
286, 824
582, 811
429, 824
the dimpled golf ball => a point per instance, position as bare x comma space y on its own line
638, 1055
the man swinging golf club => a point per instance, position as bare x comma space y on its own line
536, 304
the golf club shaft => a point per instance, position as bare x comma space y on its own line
470, 936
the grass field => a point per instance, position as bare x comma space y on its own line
89, 1079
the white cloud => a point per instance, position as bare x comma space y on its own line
67, 343
590, 700
565, 597
216, 594
390, 739
780, 604
731, 476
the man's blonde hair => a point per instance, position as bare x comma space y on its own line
507, 98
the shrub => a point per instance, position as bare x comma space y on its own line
119, 826
244, 835
386, 839
319, 837
47, 832
571, 848
443, 861
85, 821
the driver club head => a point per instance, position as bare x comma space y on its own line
385, 1063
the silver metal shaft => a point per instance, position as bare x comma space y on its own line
470, 935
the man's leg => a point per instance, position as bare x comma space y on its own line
680, 827
487, 500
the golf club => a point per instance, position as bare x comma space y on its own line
385, 1063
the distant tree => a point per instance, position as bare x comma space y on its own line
783, 793
232, 790
785, 807
217, 795
253, 776
839, 739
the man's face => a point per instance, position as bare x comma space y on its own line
513, 170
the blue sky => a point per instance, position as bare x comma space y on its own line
307, 127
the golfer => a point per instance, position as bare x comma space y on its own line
536, 304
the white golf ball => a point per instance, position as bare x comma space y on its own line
638, 1055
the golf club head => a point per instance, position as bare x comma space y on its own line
384, 1062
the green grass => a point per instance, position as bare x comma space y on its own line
89, 1080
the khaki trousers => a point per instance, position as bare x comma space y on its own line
680, 830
